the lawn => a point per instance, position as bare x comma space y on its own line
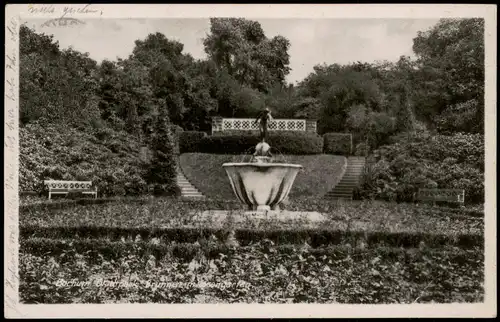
319, 175
154, 214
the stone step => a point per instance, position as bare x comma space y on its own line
340, 198
187, 189
341, 192
194, 190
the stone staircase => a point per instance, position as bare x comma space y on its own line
350, 179
187, 189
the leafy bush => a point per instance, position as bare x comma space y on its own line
338, 143
362, 149
189, 141
461, 117
286, 142
368, 126
446, 162
110, 159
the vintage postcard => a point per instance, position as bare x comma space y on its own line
247, 160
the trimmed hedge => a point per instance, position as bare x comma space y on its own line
313, 236
237, 132
189, 141
338, 143
293, 143
115, 250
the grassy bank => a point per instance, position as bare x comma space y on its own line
319, 175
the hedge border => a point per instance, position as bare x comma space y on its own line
281, 142
187, 251
315, 237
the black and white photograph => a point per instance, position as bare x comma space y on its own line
282, 155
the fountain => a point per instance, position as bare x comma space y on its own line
261, 184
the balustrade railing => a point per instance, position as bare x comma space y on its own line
220, 124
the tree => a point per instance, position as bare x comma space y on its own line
405, 119
240, 47
451, 67
55, 84
337, 88
163, 166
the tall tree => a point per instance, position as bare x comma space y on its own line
241, 47
55, 84
163, 166
451, 64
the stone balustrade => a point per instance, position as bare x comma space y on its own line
220, 124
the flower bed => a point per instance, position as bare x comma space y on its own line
258, 273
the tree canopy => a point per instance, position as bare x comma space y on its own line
442, 89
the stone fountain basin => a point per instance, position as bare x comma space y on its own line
261, 186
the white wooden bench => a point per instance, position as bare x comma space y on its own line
65, 187
448, 195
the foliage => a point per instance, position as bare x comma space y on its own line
55, 84
405, 119
240, 47
446, 162
337, 88
285, 142
109, 159
108, 110
451, 60
259, 273
163, 168
189, 141
338, 143
461, 117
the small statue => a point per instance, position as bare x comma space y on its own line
264, 117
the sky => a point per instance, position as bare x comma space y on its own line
313, 41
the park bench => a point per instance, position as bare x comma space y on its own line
65, 187
456, 196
